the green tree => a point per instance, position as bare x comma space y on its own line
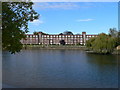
15, 17
90, 42
118, 39
103, 43
113, 32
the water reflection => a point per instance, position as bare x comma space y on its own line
59, 68
103, 59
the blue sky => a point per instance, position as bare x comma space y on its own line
92, 17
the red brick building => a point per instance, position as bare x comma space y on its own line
47, 39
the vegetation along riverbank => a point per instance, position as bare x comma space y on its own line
54, 47
67, 47
105, 43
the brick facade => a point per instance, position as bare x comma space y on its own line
47, 39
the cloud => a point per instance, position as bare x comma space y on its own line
37, 22
84, 20
56, 5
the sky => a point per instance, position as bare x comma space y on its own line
91, 17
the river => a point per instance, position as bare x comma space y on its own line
59, 69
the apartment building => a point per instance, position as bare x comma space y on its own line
48, 39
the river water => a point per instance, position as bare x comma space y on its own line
59, 69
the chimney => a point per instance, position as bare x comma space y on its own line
83, 33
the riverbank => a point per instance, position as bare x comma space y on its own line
54, 47
116, 52
62, 47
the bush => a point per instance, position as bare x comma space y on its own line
102, 44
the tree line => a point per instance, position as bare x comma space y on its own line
104, 43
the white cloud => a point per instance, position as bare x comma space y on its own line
37, 22
60, 5
84, 20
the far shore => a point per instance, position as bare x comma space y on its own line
54, 47
63, 47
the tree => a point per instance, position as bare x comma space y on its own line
118, 39
113, 32
36, 33
61, 34
15, 17
103, 43
90, 42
